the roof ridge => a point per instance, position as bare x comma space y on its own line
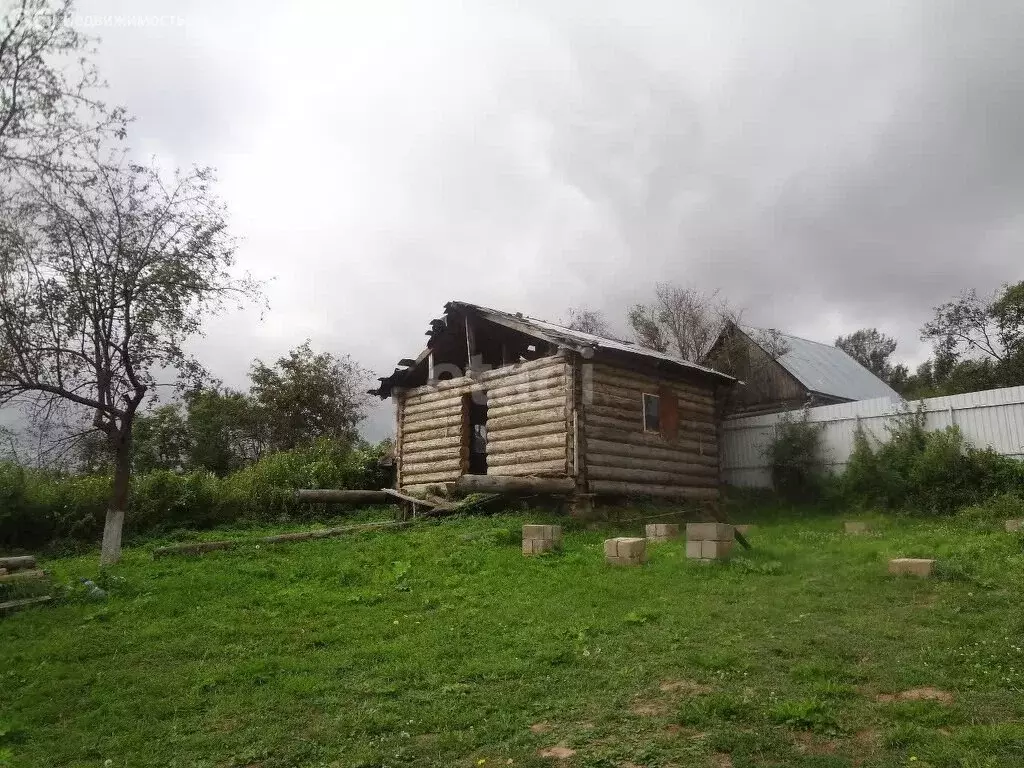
794, 336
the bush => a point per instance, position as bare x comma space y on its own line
795, 454
39, 508
933, 473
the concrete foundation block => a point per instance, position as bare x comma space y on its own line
855, 527
625, 551
1013, 526
911, 566
661, 531
693, 549
744, 529
709, 532
715, 550
538, 539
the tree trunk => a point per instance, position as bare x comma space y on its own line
110, 552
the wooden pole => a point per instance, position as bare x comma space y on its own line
331, 496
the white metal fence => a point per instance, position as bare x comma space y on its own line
992, 418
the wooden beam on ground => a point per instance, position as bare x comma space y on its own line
17, 563
11, 578
331, 496
193, 548
13, 605
511, 484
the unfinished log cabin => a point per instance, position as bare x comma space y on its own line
505, 402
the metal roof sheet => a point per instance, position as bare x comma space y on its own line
825, 368
561, 334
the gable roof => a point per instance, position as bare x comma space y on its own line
587, 344
824, 368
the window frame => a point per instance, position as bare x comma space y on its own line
643, 410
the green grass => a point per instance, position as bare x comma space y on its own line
441, 645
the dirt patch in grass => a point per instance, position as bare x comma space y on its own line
648, 708
682, 732
542, 727
917, 694
807, 744
721, 760
684, 687
557, 753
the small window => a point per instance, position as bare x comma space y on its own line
652, 413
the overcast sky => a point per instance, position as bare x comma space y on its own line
826, 165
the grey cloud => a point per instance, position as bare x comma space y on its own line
827, 166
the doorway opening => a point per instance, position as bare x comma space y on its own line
474, 408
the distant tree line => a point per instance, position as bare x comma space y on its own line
978, 341
302, 398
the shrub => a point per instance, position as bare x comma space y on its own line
40, 508
933, 472
795, 454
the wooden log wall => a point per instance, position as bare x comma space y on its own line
622, 459
526, 424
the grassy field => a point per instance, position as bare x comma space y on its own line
441, 645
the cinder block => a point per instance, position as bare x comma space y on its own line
539, 546
661, 531
855, 527
693, 549
911, 566
1013, 526
625, 551
536, 532
709, 532
715, 550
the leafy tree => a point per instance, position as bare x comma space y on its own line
871, 349
683, 321
48, 88
588, 321
102, 279
227, 430
988, 327
161, 440
309, 395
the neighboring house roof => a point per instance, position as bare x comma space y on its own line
824, 368
542, 330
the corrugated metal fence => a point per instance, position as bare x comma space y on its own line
993, 418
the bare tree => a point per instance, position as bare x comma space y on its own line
683, 321
590, 321
101, 282
48, 88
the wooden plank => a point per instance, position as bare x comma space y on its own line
615, 488
501, 400
679, 464
453, 423
518, 433
18, 576
496, 459
425, 443
507, 484
541, 401
678, 452
527, 419
703, 442
13, 605
17, 562
451, 463
193, 548
553, 440
555, 466
331, 496
448, 476
605, 372
657, 477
